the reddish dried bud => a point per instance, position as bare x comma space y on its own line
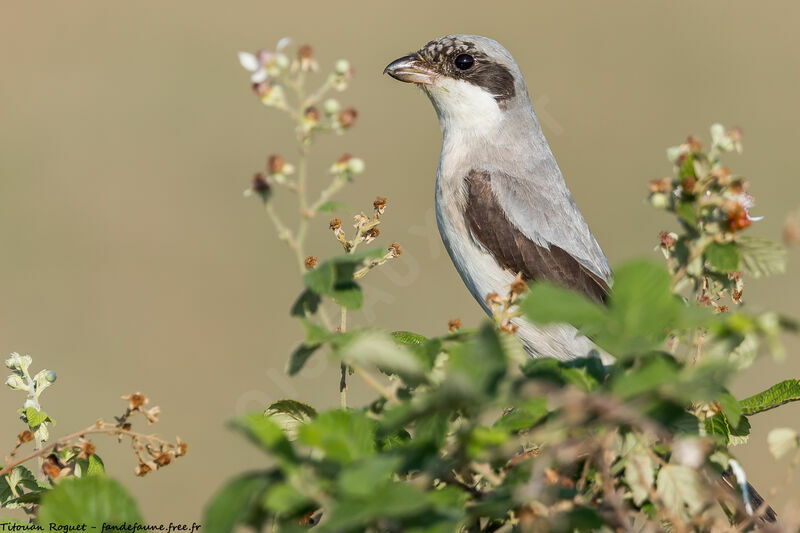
262, 89
347, 117
738, 219
180, 450
164, 459
52, 466
667, 239
310, 262
25, 436
305, 52
335, 224
493, 298
661, 185
688, 184
379, 204
344, 159
261, 183
454, 325
395, 249
87, 449
275, 164
312, 114
372, 233
694, 144
722, 309
509, 327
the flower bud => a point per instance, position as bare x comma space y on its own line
342, 67
355, 166
659, 200
275, 164
331, 106
281, 61
19, 362
16, 382
50, 375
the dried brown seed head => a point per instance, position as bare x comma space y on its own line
310, 262
454, 325
261, 183
493, 298
275, 164
518, 286
305, 52
163, 459
379, 204
25, 435
262, 89
395, 249
694, 144
311, 114
347, 117
180, 449
335, 223
142, 470
667, 239
661, 185
135, 400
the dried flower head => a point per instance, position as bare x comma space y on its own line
667, 239
371, 234
347, 117
395, 250
791, 229
493, 299
163, 459
152, 414
261, 184
379, 205
518, 286
661, 185
454, 325
142, 469
86, 449
180, 449
360, 220
135, 400
335, 223
275, 164
24, 436
310, 262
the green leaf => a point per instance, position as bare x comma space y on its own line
267, 434
289, 414
18, 479
338, 271
687, 215
92, 466
363, 477
546, 303
330, 207
781, 441
376, 348
761, 257
524, 416
238, 502
315, 334
283, 499
576, 373
775, 396
722, 256
348, 294
306, 304
299, 357
91, 500
395, 500
409, 338
343, 436
651, 374
476, 367
680, 489
35, 418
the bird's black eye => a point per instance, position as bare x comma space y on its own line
464, 62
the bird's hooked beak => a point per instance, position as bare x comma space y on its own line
410, 69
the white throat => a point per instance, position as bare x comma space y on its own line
464, 107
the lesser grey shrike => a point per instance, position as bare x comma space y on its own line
502, 205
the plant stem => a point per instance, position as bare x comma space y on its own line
343, 379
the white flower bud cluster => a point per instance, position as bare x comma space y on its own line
21, 380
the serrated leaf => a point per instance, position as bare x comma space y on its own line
283, 499
378, 349
408, 337
781, 441
35, 418
348, 295
289, 414
343, 436
639, 474
723, 256
680, 489
761, 257
363, 477
775, 396
91, 500
523, 416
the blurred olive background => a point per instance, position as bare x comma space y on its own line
131, 261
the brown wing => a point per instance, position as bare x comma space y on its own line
516, 252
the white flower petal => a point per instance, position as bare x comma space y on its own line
282, 43
754, 219
249, 61
259, 76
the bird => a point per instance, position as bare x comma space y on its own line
502, 206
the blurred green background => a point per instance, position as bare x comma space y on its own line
131, 261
